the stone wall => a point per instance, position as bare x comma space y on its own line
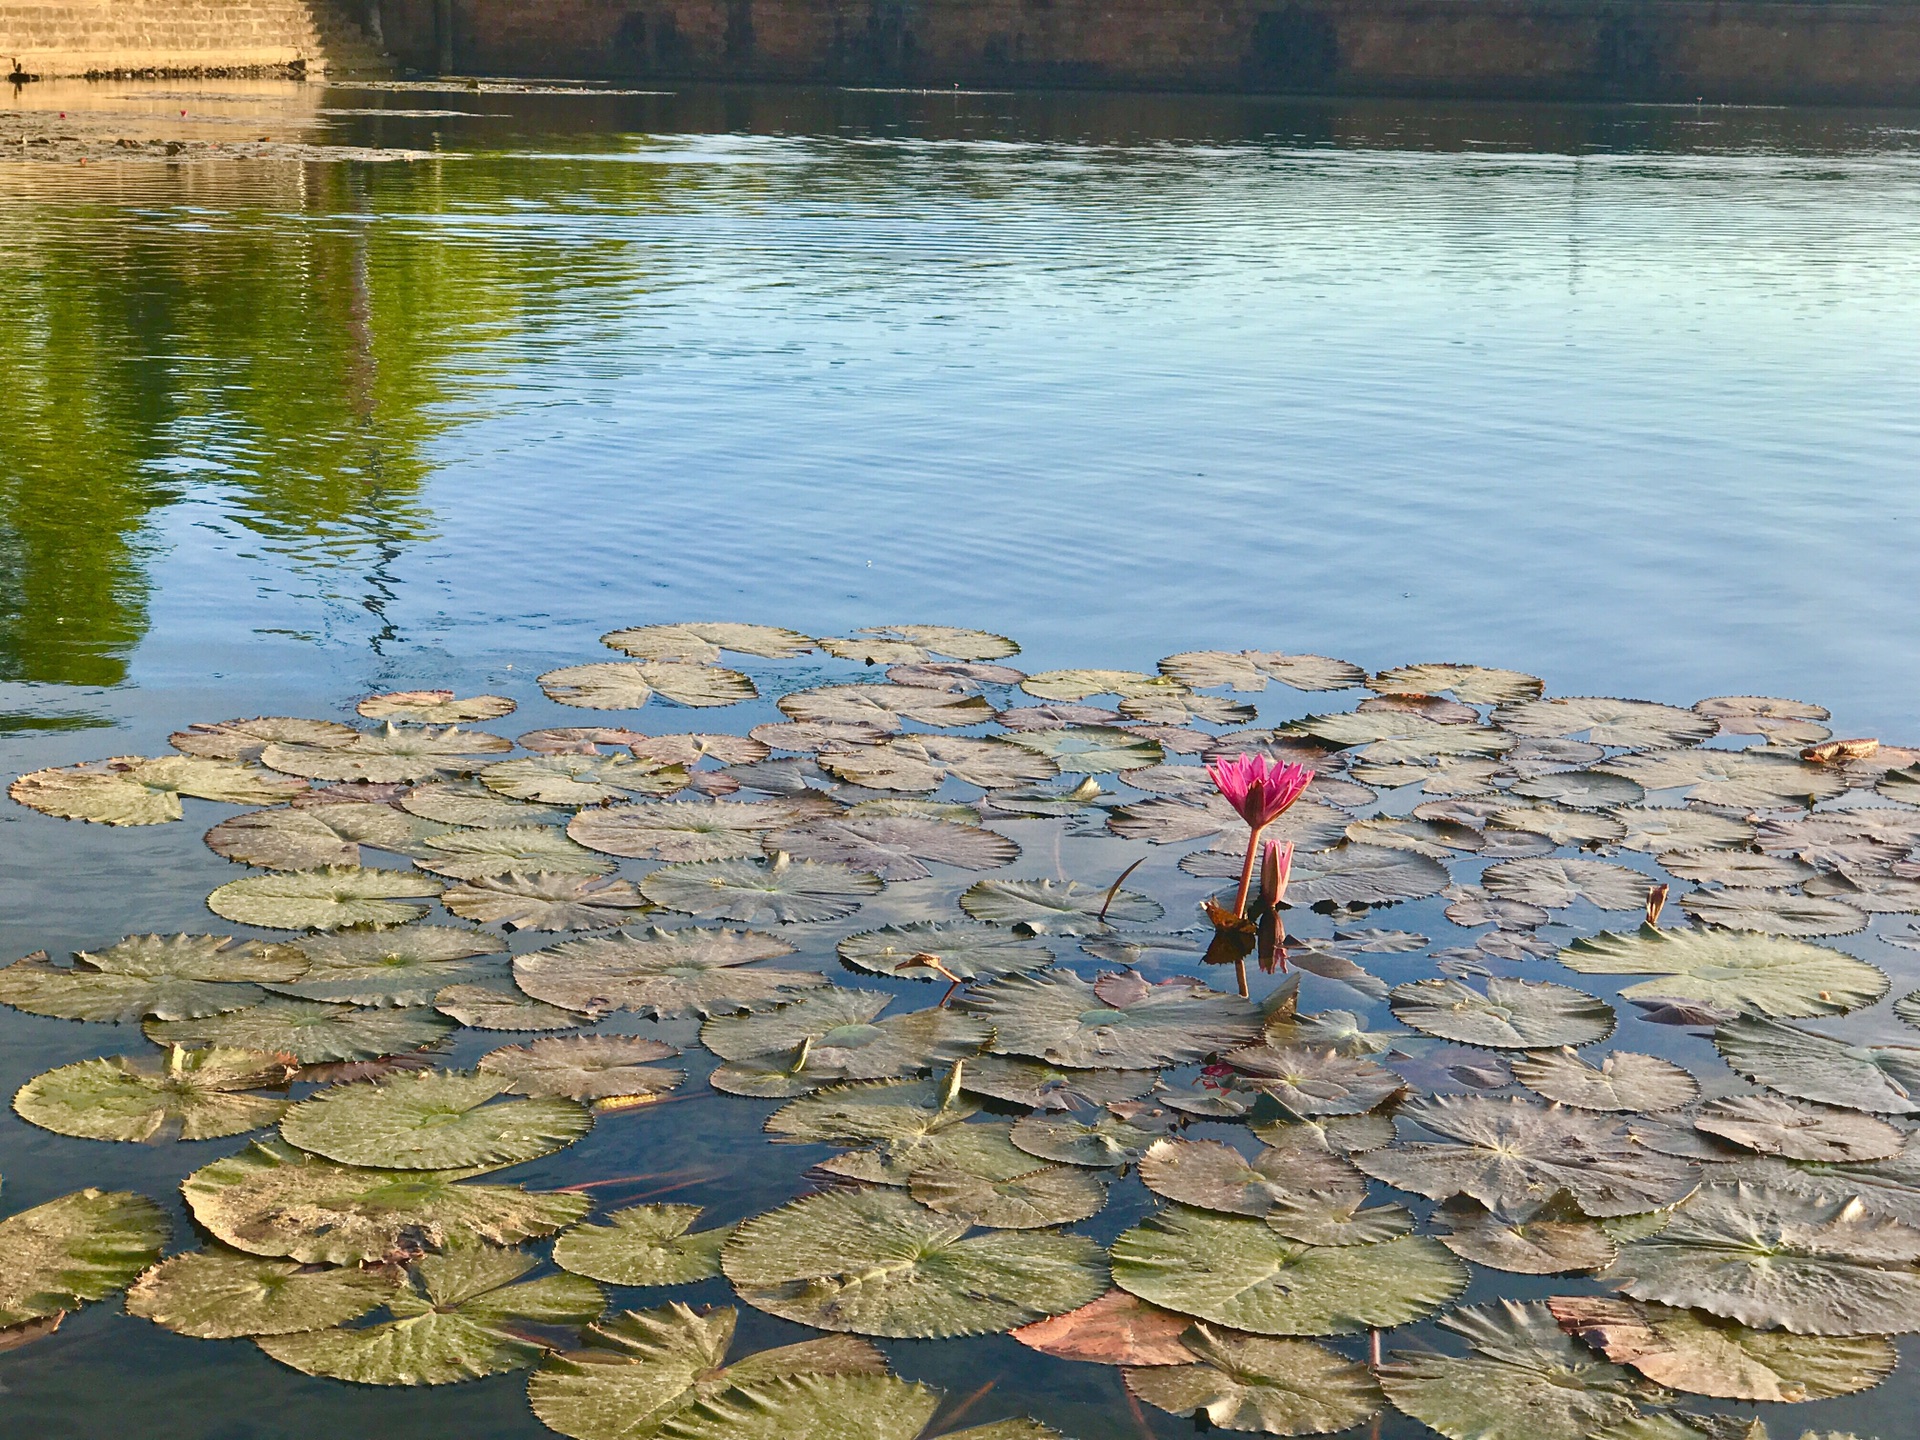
63, 38
1769, 51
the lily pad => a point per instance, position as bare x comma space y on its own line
1631, 724
1309, 1080
1513, 1154
1091, 750
873, 650
1096, 1140
547, 902
312, 1032
1364, 875
1773, 912
1116, 1329
1237, 1272
700, 642
677, 830
966, 949
173, 977
876, 1263
458, 1318
386, 755
1556, 883
401, 967
1581, 789
885, 706
1742, 869
467, 802
894, 847
1438, 839
1047, 1088
1561, 826
1175, 709
834, 1034
1703, 1355
925, 762
1276, 1387
1083, 684
1062, 907
221, 1294
1118, 1022
1759, 974
434, 707
1656, 829
953, 640
1251, 670
503, 1007
1772, 1126
585, 1067
188, 1095
1623, 1080
1552, 1238
76, 1249
780, 890
1475, 684
434, 1120
581, 779
644, 1245
1736, 779
272, 1199
525, 849
663, 973
1049, 1195
328, 899
1510, 1015
622, 685
245, 739
136, 790
1210, 1175
1779, 1260
1525, 1380
290, 839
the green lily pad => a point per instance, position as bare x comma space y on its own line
547, 902
1092, 749
245, 739
664, 973
966, 949
1553, 1238
679, 830
1741, 869
1525, 1380
1772, 1126
1209, 1175
467, 802
221, 1294
1760, 974
1364, 875
1561, 826
581, 779
623, 685
1276, 1387
925, 762
457, 1318
884, 706
1779, 1260
585, 1067
328, 899
1881, 1079
402, 967
984, 1151
311, 1031
1631, 724
1099, 1140
1437, 839
503, 1007
1064, 907
188, 1095
136, 790
76, 1249
434, 1120
274, 1200
1735, 779
780, 890
834, 1034
472, 854
1655, 829
863, 1111
1704, 1355
1238, 1272
1049, 1195
1118, 1022
1310, 1080
386, 755
1773, 912
644, 1245
1509, 1015
1513, 1154
1621, 1081
313, 838
1556, 883
895, 847
1581, 789
172, 977
1045, 1087
876, 1263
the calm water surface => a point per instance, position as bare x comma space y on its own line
1621, 397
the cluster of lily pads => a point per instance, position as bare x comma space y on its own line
1750, 1234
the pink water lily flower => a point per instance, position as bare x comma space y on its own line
1259, 788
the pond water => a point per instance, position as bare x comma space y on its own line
1622, 398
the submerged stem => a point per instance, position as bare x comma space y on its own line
1240, 898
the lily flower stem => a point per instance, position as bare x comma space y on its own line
1240, 899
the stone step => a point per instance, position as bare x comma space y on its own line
68, 37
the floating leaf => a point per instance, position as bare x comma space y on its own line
190, 1095
1236, 1271
1773, 912
547, 902
585, 1067
700, 643
858, 1407
691, 829
619, 685
1759, 974
895, 847
405, 966
1475, 684
778, 890
1277, 1387
1552, 1238
289, 839
1739, 868
1080, 684
173, 977
526, 849
385, 755
644, 1245
965, 949
1581, 789
1773, 1126
1875, 894
435, 1120
135, 790
1901, 785
1251, 670
1053, 717
1525, 1380
925, 762
457, 1319
581, 779
1510, 1015
1100, 1141
1309, 1080
1091, 750
78, 1248
1214, 1176
1116, 1329
312, 1032
1513, 1154
1656, 830
220, 1294
875, 1263
1702, 1355
467, 802
885, 706
1335, 1134
1632, 724
245, 739
1776, 1259
871, 651
1178, 708
1558, 883
1882, 1079
1049, 1195
663, 973
837, 1037
326, 899
1045, 1087
1118, 1022
1621, 1081
502, 1007
1562, 827
434, 707
953, 640
1736, 779
272, 1199
1364, 875
1438, 839
1062, 907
